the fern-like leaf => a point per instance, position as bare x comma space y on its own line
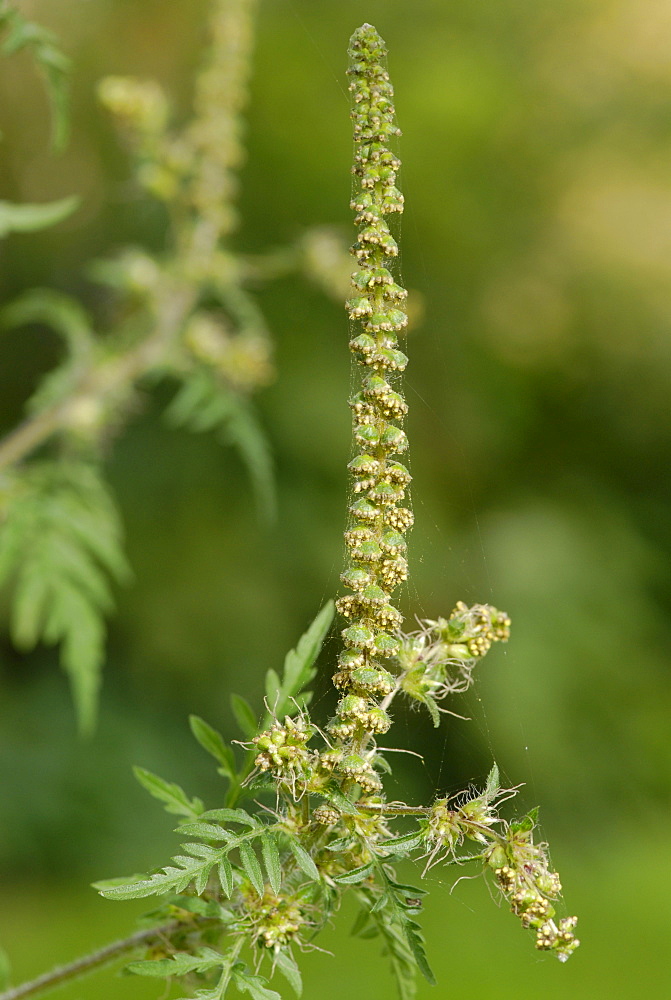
204, 403
60, 550
55, 65
299, 667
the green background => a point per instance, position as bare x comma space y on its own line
537, 249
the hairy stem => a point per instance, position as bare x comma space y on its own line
88, 963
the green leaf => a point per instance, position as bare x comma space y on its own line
244, 716
179, 964
60, 549
355, 875
213, 742
273, 688
431, 706
493, 784
63, 313
303, 860
341, 844
225, 872
362, 922
299, 667
256, 986
396, 945
251, 865
53, 63
333, 795
526, 823
271, 859
208, 831
230, 816
413, 935
403, 844
172, 878
205, 404
30, 218
289, 969
174, 799
245, 433
112, 883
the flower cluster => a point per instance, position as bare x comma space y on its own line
275, 919
375, 535
283, 750
193, 170
438, 659
451, 820
523, 873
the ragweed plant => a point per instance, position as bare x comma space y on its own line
305, 817
186, 316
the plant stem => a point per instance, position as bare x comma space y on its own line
81, 966
105, 379
390, 809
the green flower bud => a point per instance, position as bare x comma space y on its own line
349, 659
385, 644
363, 344
388, 359
364, 465
496, 857
359, 307
356, 578
393, 543
389, 320
373, 680
386, 493
367, 436
359, 636
364, 510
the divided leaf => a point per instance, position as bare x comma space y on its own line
493, 783
205, 404
256, 986
174, 799
225, 872
271, 859
60, 549
244, 716
230, 816
179, 964
289, 969
355, 875
213, 742
303, 860
251, 865
299, 668
54, 64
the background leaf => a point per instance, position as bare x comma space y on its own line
60, 548
28, 218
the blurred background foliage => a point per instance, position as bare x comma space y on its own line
537, 243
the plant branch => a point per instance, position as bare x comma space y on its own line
88, 963
103, 380
391, 809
